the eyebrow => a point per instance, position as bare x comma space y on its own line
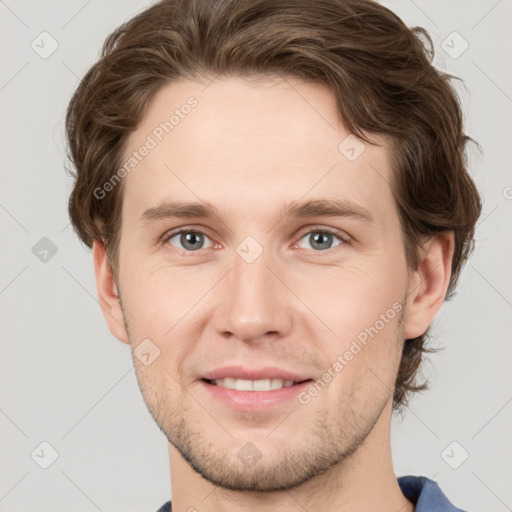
293, 209
327, 208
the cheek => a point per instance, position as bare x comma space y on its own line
352, 297
165, 304
365, 365
152, 279
362, 306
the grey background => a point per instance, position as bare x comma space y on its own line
66, 381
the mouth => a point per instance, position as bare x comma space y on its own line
253, 385
242, 388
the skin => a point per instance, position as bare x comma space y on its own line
249, 148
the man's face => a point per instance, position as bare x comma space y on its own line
252, 289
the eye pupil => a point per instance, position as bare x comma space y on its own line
318, 239
190, 240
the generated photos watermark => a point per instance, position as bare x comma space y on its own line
152, 140
343, 360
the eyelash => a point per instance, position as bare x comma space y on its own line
339, 235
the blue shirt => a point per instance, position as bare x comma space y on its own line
424, 493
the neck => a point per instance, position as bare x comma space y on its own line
363, 481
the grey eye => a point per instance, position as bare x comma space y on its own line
189, 240
321, 240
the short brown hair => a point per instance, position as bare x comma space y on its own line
380, 71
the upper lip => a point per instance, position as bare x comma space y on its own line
241, 372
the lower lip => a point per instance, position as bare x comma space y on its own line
254, 401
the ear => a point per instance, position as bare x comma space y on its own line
429, 284
108, 293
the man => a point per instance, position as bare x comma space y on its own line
276, 197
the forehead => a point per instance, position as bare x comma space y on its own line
240, 143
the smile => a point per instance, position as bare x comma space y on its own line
252, 385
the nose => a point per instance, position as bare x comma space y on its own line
253, 302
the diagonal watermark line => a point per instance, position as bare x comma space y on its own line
493, 287
494, 416
14, 76
486, 14
65, 227
13, 279
81, 491
280, 423
303, 97
379, 174
307, 102
383, 383
208, 494
14, 485
306, 193
488, 215
424, 13
183, 316
103, 308
80, 284
301, 300
88, 86
424, 424
491, 490
3, 3
76, 14
406, 504
209, 83
111, 388
70, 70
14, 218
200, 404
13, 423
492, 81
416, 415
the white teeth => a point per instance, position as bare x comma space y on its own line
260, 385
276, 384
229, 383
252, 385
243, 385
